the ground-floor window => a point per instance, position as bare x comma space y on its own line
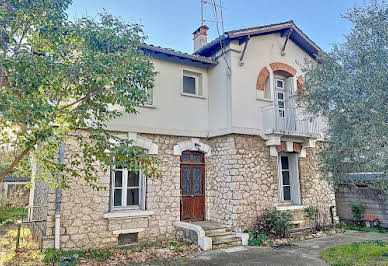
289, 189
127, 189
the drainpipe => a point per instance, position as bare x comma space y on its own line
332, 214
57, 234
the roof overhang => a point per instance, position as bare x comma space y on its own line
297, 36
177, 57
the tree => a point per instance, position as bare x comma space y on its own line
58, 77
349, 86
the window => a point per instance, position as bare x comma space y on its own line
128, 189
289, 178
127, 239
286, 186
150, 99
192, 83
279, 83
189, 85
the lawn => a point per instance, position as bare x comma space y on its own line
372, 252
29, 253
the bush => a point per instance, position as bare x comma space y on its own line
357, 209
275, 222
9, 215
256, 238
312, 215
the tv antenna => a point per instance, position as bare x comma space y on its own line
214, 6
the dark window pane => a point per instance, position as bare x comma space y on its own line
279, 84
196, 157
117, 197
286, 178
188, 84
118, 179
186, 157
281, 104
132, 196
287, 193
186, 187
133, 179
197, 180
284, 162
280, 96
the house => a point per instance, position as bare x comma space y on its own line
13, 191
230, 139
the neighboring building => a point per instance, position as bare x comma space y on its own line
359, 188
13, 191
230, 139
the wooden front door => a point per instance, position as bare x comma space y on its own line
192, 186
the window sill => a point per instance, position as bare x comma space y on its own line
290, 207
192, 95
264, 99
127, 213
151, 106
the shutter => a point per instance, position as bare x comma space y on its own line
280, 187
294, 172
142, 191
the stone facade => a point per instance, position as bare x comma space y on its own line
241, 182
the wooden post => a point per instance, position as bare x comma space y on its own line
18, 235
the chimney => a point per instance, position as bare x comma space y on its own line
200, 37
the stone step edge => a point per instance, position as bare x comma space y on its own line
226, 241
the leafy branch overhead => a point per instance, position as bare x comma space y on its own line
349, 86
58, 77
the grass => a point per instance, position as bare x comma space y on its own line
10, 215
29, 253
359, 253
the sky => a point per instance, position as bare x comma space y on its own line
170, 23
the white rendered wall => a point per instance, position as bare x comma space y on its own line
172, 113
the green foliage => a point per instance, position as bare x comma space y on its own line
58, 76
275, 222
256, 238
361, 253
72, 257
344, 226
311, 213
10, 215
357, 209
349, 87
99, 255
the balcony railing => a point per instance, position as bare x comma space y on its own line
292, 121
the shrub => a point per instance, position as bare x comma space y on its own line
275, 222
357, 209
256, 238
312, 215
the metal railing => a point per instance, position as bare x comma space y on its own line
295, 121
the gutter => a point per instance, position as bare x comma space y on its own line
57, 234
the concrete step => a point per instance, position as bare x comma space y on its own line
226, 243
230, 237
214, 230
215, 234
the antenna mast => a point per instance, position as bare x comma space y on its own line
213, 5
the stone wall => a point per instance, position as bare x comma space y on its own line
82, 208
315, 191
241, 182
371, 198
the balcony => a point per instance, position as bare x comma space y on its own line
291, 121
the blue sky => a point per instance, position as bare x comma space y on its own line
170, 23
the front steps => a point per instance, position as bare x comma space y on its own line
222, 236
